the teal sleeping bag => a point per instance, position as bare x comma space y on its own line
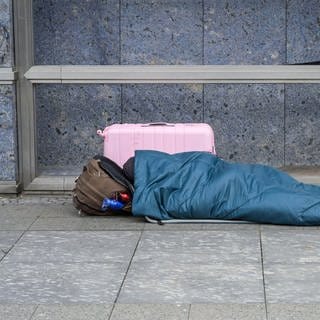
199, 185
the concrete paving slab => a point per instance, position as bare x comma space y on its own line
10, 223
291, 246
294, 311
227, 311
74, 246
53, 283
16, 311
53, 210
89, 223
194, 267
18, 211
73, 312
297, 283
203, 226
167, 282
200, 246
275, 227
150, 311
8, 239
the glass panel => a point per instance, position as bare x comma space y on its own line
173, 32
303, 31
161, 32
6, 34
248, 120
244, 32
76, 32
163, 103
302, 124
68, 117
8, 159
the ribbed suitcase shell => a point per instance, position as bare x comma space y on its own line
121, 140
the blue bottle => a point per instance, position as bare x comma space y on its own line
111, 204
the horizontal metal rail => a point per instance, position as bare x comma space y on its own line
174, 74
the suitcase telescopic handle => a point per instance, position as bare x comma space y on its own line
158, 124
103, 133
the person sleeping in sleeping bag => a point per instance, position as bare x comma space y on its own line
200, 185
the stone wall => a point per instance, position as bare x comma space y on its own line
274, 124
176, 31
8, 154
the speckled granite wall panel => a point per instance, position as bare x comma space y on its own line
6, 38
244, 32
302, 124
162, 102
44, 32
76, 32
303, 28
161, 32
170, 32
67, 119
248, 121
7, 133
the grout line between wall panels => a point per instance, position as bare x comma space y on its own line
286, 32
120, 60
284, 124
202, 58
284, 85
120, 32
203, 22
121, 103
203, 102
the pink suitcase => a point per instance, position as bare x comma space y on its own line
121, 140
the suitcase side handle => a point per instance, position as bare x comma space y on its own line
103, 133
158, 124
100, 133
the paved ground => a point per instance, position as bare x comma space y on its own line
55, 264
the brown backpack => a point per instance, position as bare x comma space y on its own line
101, 178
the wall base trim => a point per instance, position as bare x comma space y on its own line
9, 187
54, 184
173, 74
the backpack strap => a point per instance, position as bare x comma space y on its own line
115, 171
